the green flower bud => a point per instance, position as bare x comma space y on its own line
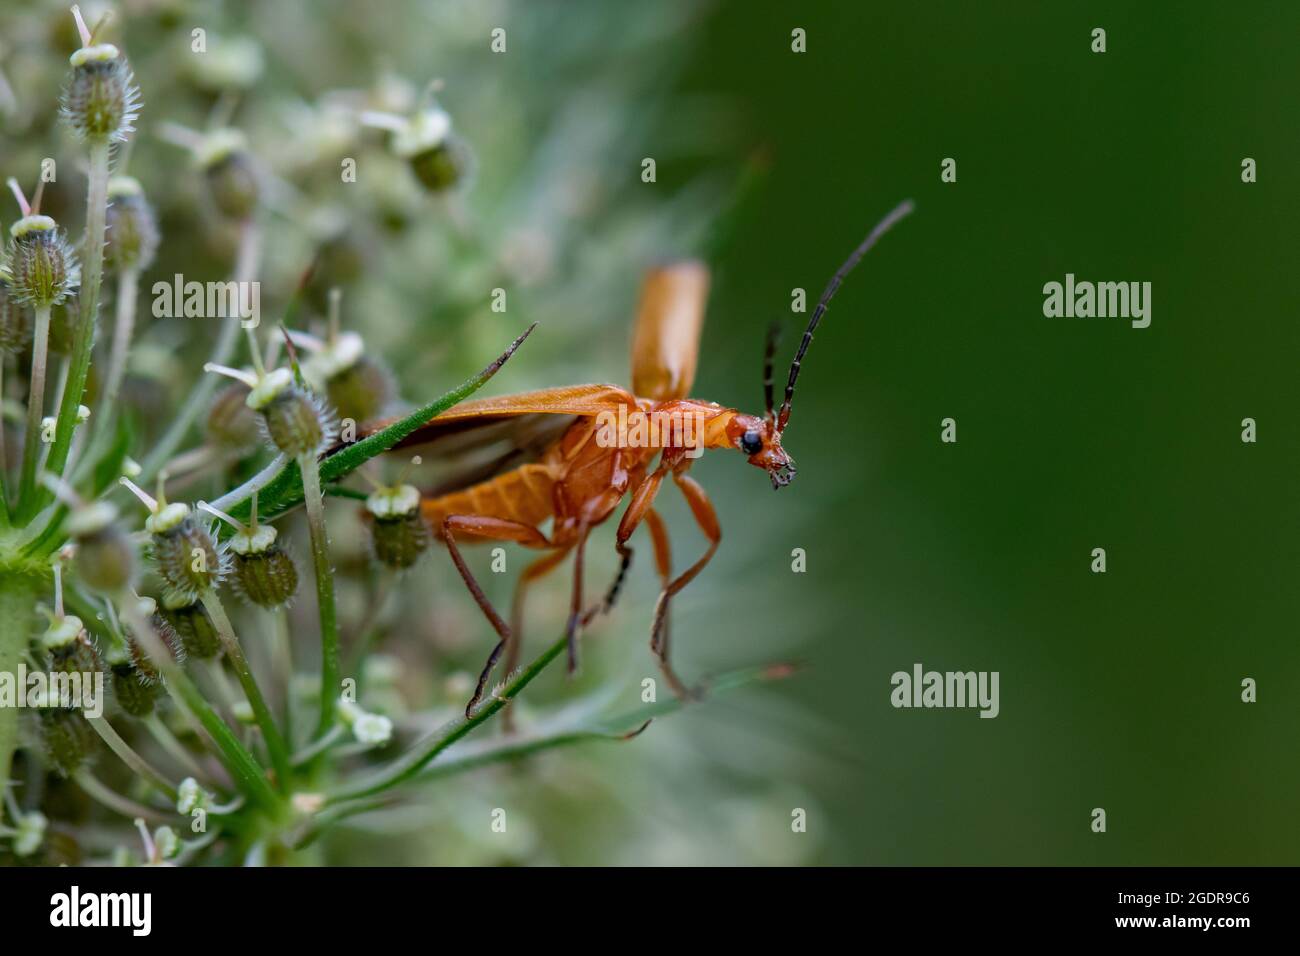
189, 622
69, 648
105, 556
131, 239
441, 168
184, 551
146, 668
295, 421
134, 692
229, 173
264, 573
344, 254
362, 391
398, 532
43, 270
15, 320
439, 160
231, 425
101, 100
337, 367
67, 737
231, 63
186, 555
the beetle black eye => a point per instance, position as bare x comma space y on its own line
751, 443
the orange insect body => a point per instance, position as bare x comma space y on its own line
608, 452
580, 480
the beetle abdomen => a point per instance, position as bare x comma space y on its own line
525, 494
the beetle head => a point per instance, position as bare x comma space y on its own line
759, 441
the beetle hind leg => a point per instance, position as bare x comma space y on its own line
707, 519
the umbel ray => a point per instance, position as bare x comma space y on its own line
556, 468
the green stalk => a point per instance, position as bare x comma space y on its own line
167, 740
129, 757
619, 728
4, 464
422, 751
329, 629
274, 742
253, 485
83, 338
282, 663
17, 612
128, 283
236, 758
242, 765
115, 801
35, 406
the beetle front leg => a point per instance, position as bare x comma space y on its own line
639, 507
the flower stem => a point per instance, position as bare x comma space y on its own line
83, 338
243, 766
129, 757
274, 742
124, 325
422, 751
17, 610
115, 801
255, 484
329, 629
4, 462
282, 664
128, 283
167, 740
35, 406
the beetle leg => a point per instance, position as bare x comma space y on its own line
575, 606
640, 505
538, 569
497, 529
642, 508
707, 519
663, 563
625, 563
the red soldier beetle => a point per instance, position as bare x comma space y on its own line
560, 469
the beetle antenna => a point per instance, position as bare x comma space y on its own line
901, 210
769, 357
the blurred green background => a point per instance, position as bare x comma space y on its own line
1119, 691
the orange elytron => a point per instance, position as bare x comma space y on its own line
577, 451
